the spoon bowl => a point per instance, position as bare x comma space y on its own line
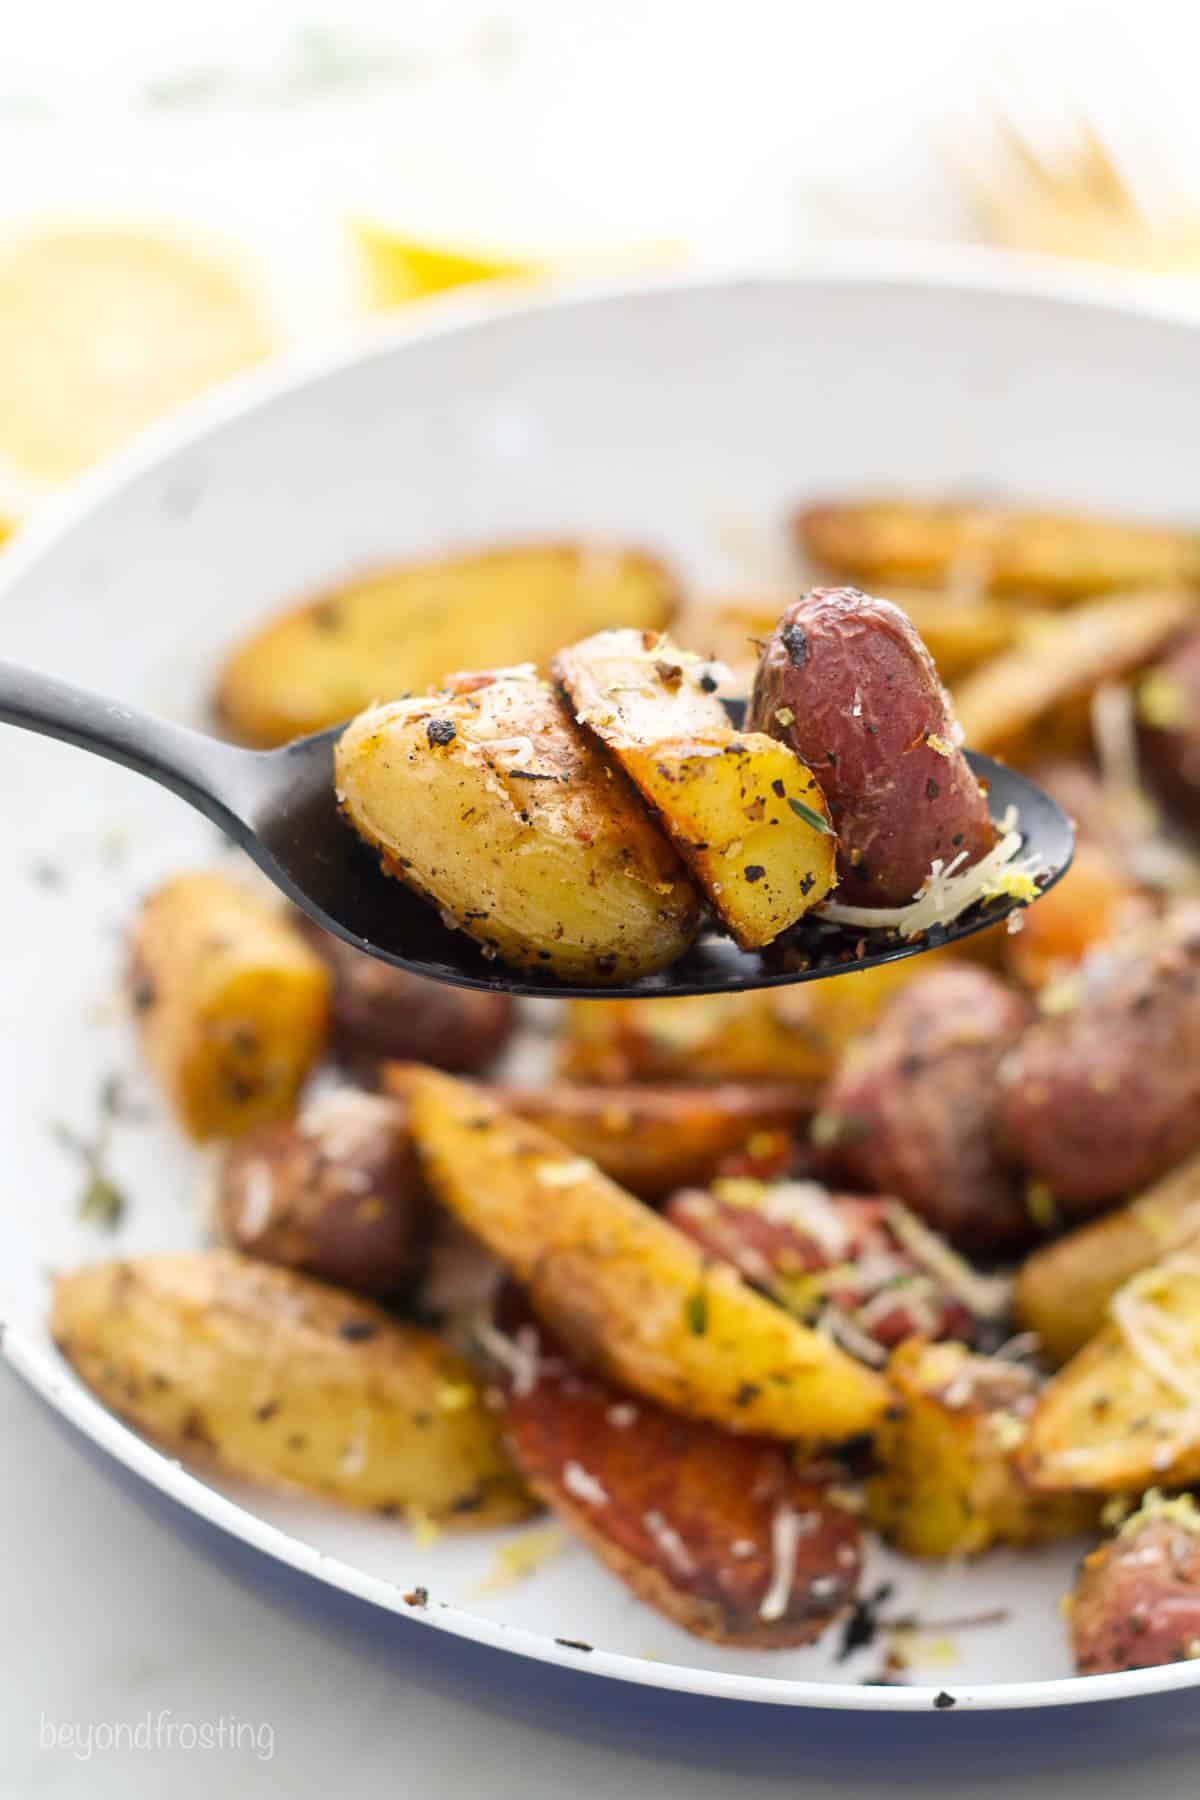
280, 806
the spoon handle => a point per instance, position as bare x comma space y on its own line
200, 769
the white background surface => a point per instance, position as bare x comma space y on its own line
747, 131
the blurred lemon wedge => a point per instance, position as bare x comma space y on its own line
398, 268
104, 328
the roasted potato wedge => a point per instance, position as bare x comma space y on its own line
1032, 701
623, 1289
1051, 558
288, 1382
488, 802
947, 1483
231, 1003
792, 1034
1063, 1290
742, 810
653, 1140
719, 1533
401, 630
380, 1011
1124, 1414
336, 1192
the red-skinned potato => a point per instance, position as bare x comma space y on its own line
913, 1110
1102, 1095
833, 1257
1136, 1603
380, 1011
847, 683
721, 1534
336, 1192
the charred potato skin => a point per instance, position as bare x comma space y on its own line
627, 1293
401, 629
548, 860
1063, 1290
913, 1111
664, 1501
288, 1382
230, 1003
652, 1140
1136, 1603
742, 810
846, 681
382, 1012
1053, 558
337, 1193
1102, 1097
947, 1481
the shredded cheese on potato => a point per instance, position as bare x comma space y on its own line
950, 890
986, 1296
785, 1540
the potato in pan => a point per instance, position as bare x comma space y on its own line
914, 1109
1136, 1602
744, 812
625, 1291
864, 1270
947, 1481
1063, 1290
287, 1382
721, 1534
1124, 1414
1048, 558
487, 800
653, 1139
336, 1192
230, 1002
380, 1011
1102, 1094
1032, 702
399, 631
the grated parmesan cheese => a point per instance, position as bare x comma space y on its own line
518, 1355
949, 890
582, 1486
254, 1214
555, 1175
785, 1539
669, 1542
986, 1296
806, 1205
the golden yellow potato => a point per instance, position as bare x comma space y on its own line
288, 1382
403, 629
1050, 557
947, 1483
624, 1289
742, 810
1124, 1414
231, 1003
1063, 1290
488, 802
1032, 701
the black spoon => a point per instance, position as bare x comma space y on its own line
279, 806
